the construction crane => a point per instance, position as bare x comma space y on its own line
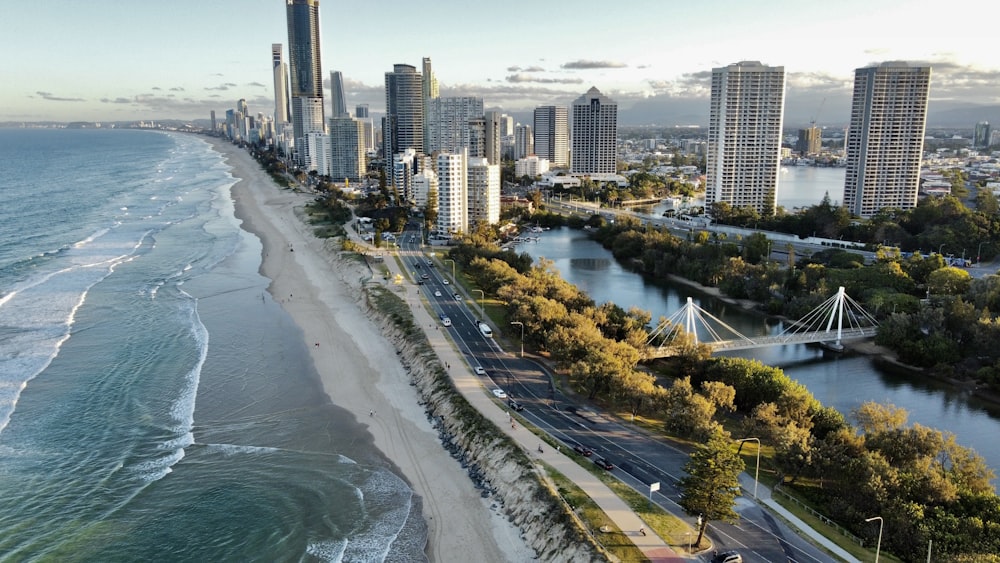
812, 122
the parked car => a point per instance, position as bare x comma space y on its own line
479, 370
515, 405
583, 450
604, 463
499, 394
727, 557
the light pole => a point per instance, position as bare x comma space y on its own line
878, 546
940, 248
452, 268
756, 471
482, 297
522, 335
688, 535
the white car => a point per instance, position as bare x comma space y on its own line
499, 394
479, 370
437, 293
444, 282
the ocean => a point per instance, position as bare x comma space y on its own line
155, 403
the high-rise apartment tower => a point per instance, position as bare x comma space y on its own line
744, 135
885, 137
595, 133
306, 72
280, 71
552, 134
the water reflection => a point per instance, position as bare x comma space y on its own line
841, 381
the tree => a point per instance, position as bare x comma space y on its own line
712, 483
949, 281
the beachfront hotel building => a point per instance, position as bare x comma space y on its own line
483, 181
306, 71
452, 176
280, 71
551, 128
595, 134
885, 137
744, 136
403, 125
349, 158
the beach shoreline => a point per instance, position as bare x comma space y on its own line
359, 368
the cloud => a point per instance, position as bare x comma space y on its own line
177, 89
117, 100
53, 98
532, 68
520, 78
221, 87
157, 88
584, 64
257, 84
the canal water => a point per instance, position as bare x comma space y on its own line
841, 381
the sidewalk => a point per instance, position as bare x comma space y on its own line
479, 397
764, 498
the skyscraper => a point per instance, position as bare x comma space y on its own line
452, 192
885, 137
492, 149
404, 112
306, 71
280, 72
810, 140
981, 137
361, 111
744, 135
595, 133
348, 158
552, 134
448, 122
524, 141
483, 184
338, 101
429, 91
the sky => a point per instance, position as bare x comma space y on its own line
111, 60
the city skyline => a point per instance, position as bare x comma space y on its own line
656, 62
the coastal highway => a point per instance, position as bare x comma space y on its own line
639, 458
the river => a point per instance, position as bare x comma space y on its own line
841, 381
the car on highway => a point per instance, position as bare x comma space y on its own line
603, 463
445, 320
425, 277
437, 293
446, 282
458, 297
727, 557
583, 450
499, 393
479, 370
515, 405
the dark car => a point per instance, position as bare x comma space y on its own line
604, 463
728, 557
583, 450
515, 405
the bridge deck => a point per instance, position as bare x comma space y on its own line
778, 340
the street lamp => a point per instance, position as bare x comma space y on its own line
756, 471
878, 546
452, 268
522, 335
482, 297
940, 248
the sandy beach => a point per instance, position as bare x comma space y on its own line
360, 370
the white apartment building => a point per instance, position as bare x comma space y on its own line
404, 166
453, 216
744, 135
595, 134
317, 153
885, 137
425, 182
531, 166
484, 191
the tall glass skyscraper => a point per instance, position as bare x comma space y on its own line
306, 72
403, 126
280, 71
595, 134
551, 127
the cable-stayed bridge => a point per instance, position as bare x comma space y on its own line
837, 319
